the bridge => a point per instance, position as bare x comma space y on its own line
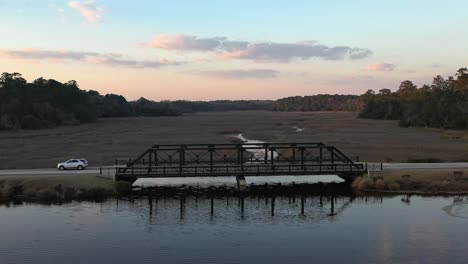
240, 160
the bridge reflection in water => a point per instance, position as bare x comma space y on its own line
164, 206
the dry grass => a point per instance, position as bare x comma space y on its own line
415, 181
108, 139
59, 188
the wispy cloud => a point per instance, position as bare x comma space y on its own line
194, 43
263, 51
128, 63
381, 67
240, 74
89, 10
108, 59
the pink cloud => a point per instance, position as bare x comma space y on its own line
107, 59
381, 67
263, 51
88, 9
240, 74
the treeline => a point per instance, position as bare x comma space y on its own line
321, 102
443, 104
48, 103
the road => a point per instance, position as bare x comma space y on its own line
416, 166
108, 170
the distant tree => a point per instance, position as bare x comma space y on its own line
443, 104
321, 102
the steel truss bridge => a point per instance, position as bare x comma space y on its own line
213, 160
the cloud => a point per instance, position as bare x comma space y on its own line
241, 74
88, 9
183, 42
109, 59
38, 54
285, 52
138, 64
381, 67
263, 51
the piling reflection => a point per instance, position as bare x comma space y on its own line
266, 204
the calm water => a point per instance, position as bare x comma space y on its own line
391, 230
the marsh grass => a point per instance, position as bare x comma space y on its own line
60, 188
114, 138
414, 181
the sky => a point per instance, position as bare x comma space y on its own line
243, 49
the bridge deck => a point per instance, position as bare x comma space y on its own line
241, 170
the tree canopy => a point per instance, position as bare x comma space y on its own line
321, 102
443, 104
48, 103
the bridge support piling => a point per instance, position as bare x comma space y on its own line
241, 183
182, 206
242, 207
332, 206
212, 206
273, 206
150, 202
302, 205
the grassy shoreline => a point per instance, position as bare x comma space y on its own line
60, 188
443, 182
50, 189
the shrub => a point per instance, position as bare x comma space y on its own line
366, 184
30, 122
46, 195
355, 183
123, 188
380, 185
30, 194
7, 123
69, 193
97, 194
393, 186
11, 190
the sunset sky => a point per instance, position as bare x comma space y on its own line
203, 50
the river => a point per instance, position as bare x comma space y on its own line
396, 229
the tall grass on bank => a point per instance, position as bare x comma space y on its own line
416, 181
61, 189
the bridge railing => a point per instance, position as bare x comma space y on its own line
245, 170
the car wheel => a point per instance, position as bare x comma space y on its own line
80, 167
61, 168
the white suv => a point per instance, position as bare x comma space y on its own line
79, 164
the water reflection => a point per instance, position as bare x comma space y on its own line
238, 229
219, 209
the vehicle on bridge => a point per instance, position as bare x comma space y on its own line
79, 164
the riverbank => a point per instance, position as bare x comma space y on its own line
60, 188
415, 182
